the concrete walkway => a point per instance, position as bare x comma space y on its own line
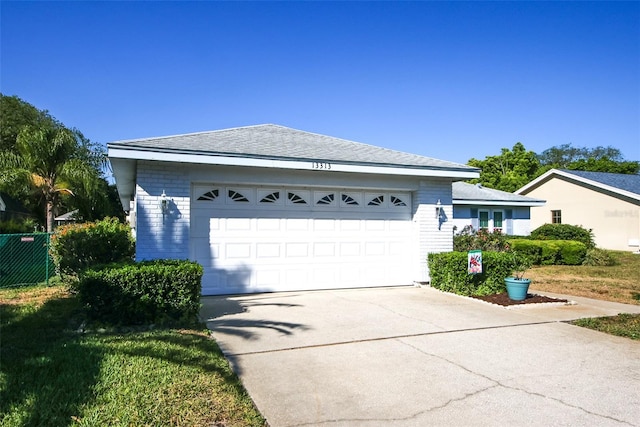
420, 357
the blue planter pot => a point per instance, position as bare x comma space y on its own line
517, 288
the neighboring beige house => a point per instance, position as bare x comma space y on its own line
607, 203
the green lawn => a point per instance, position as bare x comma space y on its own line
623, 325
53, 375
617, 283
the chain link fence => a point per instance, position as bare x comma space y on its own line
24, 259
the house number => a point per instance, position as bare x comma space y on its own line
321, 165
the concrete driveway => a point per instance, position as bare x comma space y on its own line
418, 357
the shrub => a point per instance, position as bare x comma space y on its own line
75, 247
469, 239
448, 271
531, 248
551, 252
572, 252
599, 257
564, 232
13, 226
162, 291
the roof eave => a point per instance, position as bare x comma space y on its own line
479, 202
119, 152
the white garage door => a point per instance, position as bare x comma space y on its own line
258, 239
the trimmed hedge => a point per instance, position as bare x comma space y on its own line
159, 292
551, 252
75, 247
564, 232
448, 271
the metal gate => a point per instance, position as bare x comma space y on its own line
24, 259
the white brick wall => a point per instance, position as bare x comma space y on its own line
432, 236
162, 236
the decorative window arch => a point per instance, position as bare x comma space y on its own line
348, 200
296, 199
237, 197
396, 201
271, 197
376, 201
326, 200
210, 195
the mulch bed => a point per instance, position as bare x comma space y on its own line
504, 300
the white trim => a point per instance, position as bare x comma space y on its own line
3, 207
547, 175
497, 203
285, 164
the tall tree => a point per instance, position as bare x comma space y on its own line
598, 159
76, 186
15, 114
50, 162
509, 171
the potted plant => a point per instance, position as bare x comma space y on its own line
517, 285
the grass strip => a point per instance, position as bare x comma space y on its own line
623, 325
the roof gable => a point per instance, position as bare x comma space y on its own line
621, 185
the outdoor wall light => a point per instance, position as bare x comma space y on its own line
440, 215
164, 203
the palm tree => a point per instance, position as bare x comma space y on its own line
50, 161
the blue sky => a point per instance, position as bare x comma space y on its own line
450, 80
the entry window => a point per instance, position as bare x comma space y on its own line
483, 216
556, 217
497, 219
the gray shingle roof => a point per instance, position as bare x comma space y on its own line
624, 182
476, 192
282, 143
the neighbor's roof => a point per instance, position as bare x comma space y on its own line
625, 185
274, 142
69, 216
9, 204
476, 194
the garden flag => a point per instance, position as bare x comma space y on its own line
474, 262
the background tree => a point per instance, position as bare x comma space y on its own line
509, 171
514, 168
50, 168
15, 114
598, 159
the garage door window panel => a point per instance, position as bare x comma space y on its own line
298, 197
351, 199
238, 195
325, 199
210, 195
269, 197
376, 201
397, 201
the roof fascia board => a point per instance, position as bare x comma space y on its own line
548, 175
497, 203
533, 184
284, 164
